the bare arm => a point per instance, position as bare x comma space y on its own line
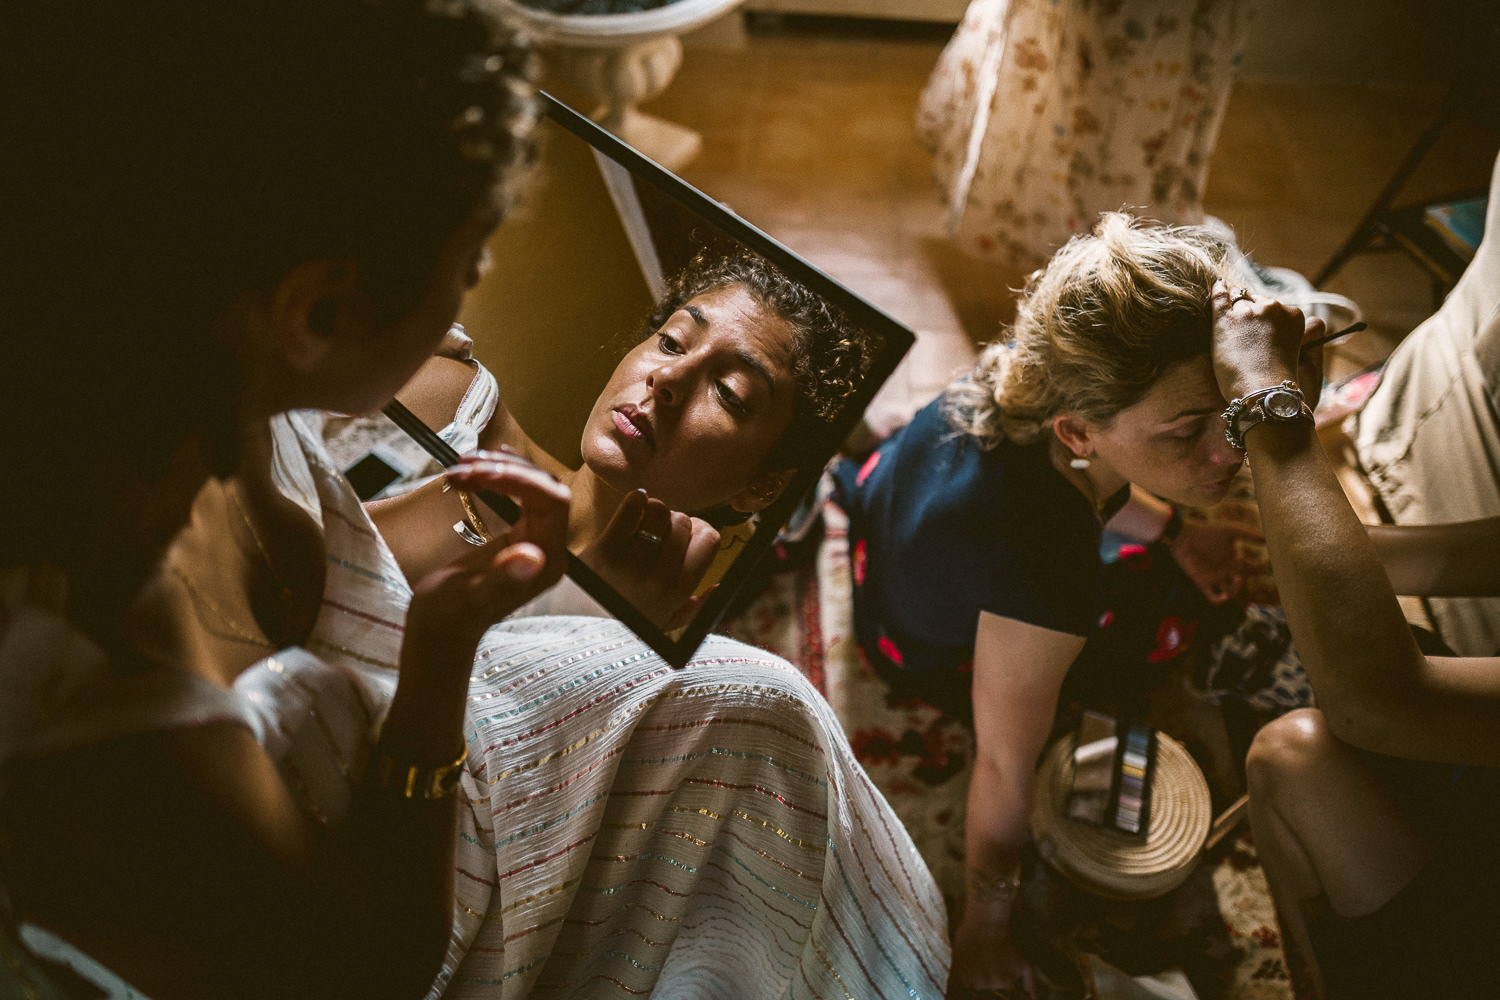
1449, 560
1375, 687
208, 880
1018, 671
418, 525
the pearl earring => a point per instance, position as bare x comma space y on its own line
1080, 463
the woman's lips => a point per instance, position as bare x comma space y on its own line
633, 423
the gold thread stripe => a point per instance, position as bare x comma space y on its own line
854, 953
491, 651
832, 971
769, 858
756, 788
536, 896
749, 819
546, 649
617, 721
643, 880
600, 762
277, 667
527, 708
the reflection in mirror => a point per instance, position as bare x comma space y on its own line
643, 338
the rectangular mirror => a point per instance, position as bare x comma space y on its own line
562, 320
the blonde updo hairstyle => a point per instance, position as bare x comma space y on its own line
1095, 329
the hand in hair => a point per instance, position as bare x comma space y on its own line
655, 557
1258, 343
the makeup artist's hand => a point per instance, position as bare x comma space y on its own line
469, 594
1258, 343
655, 557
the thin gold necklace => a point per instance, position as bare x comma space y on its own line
237, 632
286, 592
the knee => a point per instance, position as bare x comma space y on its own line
1285, 748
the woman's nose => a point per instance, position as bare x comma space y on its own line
1221, 452
662, 384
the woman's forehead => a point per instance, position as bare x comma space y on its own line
1186, 389
734, 314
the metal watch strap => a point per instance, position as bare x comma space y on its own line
1246, 411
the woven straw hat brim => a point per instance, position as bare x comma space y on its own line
1113, 864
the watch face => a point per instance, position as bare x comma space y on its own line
1283, 405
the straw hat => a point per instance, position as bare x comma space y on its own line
1113, 864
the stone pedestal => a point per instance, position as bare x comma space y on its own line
616, 80
620, 60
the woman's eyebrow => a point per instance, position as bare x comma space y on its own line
1194, 412
757, 365
751, 361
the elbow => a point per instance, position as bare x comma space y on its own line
1370, 717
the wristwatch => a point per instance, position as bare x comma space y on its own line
1277, 404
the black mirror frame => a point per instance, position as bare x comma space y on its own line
896, 340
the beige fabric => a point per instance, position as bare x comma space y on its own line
1429, 436
1042, 114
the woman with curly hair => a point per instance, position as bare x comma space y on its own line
702, 424
242, 753
975, 530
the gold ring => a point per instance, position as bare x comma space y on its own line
1243, 293
647, 537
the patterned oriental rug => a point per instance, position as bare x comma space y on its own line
1219, 927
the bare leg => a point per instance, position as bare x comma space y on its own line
1324, 827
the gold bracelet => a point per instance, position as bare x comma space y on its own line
471, 516
418, 781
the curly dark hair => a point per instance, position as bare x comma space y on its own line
830, 354
168, 158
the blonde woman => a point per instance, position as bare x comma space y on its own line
975, 530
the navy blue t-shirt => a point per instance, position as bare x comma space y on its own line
941, 529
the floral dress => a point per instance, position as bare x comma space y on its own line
1044, 113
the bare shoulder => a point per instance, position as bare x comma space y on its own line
437, 388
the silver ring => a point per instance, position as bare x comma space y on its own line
648, 538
